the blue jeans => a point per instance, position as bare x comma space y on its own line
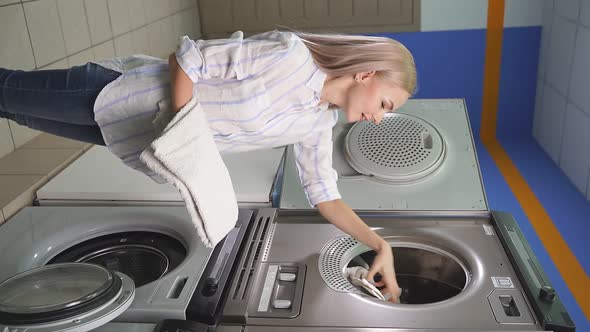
59, 102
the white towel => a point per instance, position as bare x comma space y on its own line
186, 156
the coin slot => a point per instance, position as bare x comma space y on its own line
177, 288
509, 306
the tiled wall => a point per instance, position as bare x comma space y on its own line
27, 168
562, 108
43, 34
440, 15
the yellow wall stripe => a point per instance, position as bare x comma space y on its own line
570, 269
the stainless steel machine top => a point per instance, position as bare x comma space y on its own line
419, 159
456, 273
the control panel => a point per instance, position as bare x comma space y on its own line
278, 291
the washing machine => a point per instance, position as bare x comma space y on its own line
420, 159
76, 268
457, 273
99, 178
415, 180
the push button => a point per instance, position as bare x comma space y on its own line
281, 304
547, 293
287, 276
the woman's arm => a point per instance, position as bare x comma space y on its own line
343, 217
180, 84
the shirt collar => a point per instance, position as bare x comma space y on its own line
316, 82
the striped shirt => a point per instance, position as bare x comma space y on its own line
257, 93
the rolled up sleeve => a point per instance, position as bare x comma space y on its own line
313, 158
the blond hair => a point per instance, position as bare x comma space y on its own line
341, 55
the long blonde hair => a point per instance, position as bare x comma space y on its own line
341, 55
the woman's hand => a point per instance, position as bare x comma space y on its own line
383, 264
343, 217
180, 84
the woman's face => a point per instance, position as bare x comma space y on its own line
370, 97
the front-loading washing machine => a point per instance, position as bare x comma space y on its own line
74, 268
415, 180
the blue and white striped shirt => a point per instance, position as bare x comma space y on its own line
257, 93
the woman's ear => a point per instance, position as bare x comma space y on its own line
363, 76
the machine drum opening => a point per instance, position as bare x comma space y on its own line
142, 256
424, 276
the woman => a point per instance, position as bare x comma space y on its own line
270, 90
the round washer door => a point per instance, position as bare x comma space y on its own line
64, 297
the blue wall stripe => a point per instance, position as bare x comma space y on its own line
518, 80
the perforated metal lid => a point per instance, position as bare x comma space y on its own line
401, 149
419, 257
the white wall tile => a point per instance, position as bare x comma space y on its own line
119, 12
81, 58
195, 19
453, 14
16, 52
141, 40
8, 2
177, 28
523, 13
575, 159
151, 10
97, 14
6, 143
580, 82
187, 23
568, 8
551, 122
163, 9
156, 39
559, 57
124, 45
74, 25
137, 13
170, 39
176, 5
185, 4
61, 64
167, 7
545, 41
103, 51
21, 134
45, 31
585, 13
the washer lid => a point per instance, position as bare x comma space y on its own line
402, 149
64, 297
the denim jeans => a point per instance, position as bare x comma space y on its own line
59, 102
